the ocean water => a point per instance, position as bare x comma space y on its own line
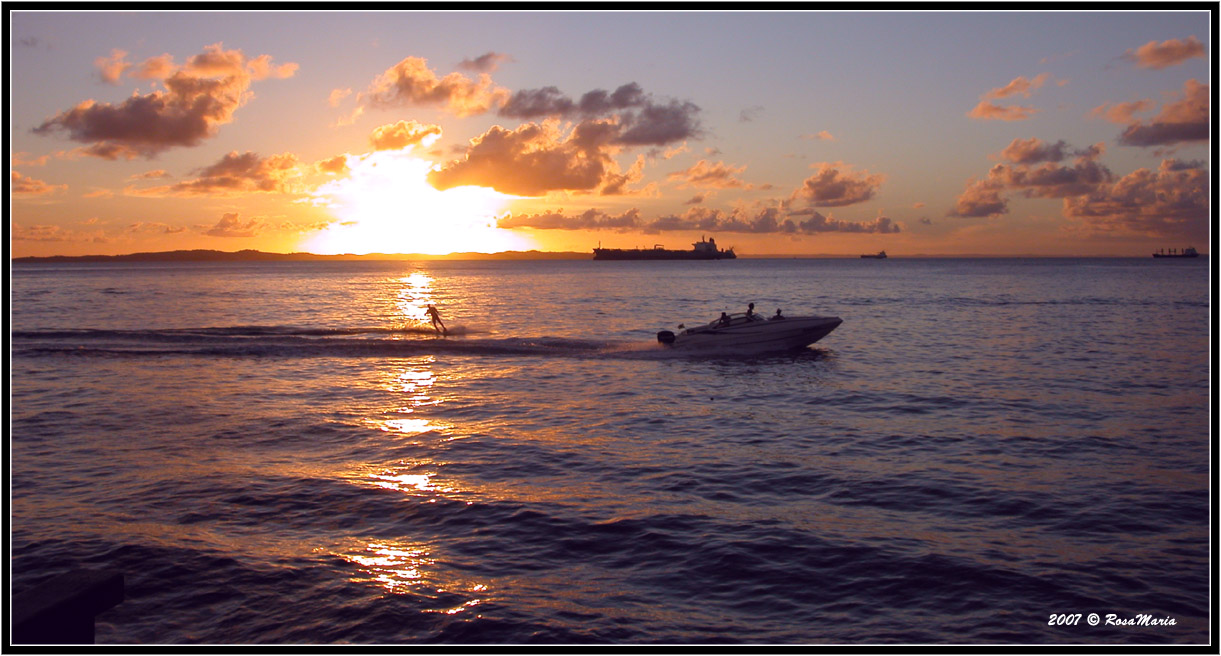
285, 453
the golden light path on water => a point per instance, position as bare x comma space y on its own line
384, 204
406, 566
414, 296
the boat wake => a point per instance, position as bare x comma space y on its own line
293, 341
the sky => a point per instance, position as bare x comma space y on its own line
784, 132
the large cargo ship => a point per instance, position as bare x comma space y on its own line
1186, 252
701, 250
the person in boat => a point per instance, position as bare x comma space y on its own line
724, 320
750, 311
777, 316
437, 324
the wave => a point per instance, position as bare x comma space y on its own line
286, 341
172, 334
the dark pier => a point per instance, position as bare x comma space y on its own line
61, 611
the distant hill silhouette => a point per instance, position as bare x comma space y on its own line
200, 255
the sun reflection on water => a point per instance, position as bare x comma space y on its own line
413, 297
407, 482
396, 567
401, 567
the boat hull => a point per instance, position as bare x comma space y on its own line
659, 254
757, 337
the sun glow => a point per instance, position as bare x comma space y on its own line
385, 205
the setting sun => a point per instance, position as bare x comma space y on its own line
384, 204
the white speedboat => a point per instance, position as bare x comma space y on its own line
751, 334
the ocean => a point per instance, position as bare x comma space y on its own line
985, 452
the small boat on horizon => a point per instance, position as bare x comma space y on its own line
880, 255
1186, 252
743, 333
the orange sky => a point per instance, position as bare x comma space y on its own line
775, 133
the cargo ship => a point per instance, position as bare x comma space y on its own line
1186, 252
701, 250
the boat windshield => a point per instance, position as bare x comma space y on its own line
736, 319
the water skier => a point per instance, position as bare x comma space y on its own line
437, 324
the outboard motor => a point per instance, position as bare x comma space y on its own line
665, 337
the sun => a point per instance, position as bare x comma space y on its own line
385, 205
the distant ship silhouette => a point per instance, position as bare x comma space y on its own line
701, 250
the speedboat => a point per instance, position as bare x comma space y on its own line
751, 333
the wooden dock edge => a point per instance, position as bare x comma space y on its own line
61, 611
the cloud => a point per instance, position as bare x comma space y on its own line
658, 125
1034, 174
1019, 86
404, 134
768, 220
981, 198
591, 219
261, 68
24, 159
1023, 151
337, 165
111, 68
716, 176
411, 83
41, 233
822, 135
1033, 150
230, 225
819, 223
337, 96
642, 121
616, 184
1185, 120
1048, 180
750, 113
1171, 202
992, 112
534, 159
538, 103
143, 227
1171, 52
155, 68
836, 184
198, 98
1124, 112
21, 185
155, 174
486, 63
236, 174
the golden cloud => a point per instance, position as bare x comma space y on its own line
404, 134
992, 112
21, 185
410, 82
236, 174
535, 159
1170, 52
717, 176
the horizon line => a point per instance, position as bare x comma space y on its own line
253, 254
